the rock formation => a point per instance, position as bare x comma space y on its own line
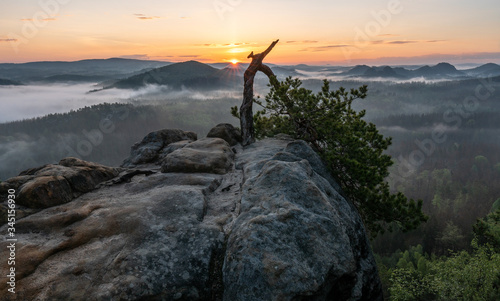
264, 222
54, 184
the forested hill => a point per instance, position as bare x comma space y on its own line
7, 82
191, 74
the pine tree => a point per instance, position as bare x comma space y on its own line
352, 148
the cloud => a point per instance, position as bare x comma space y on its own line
45, 19
135, 56
159, 57
388, 35
401, 42
324, 48
189, 55
8, 40
302, 42
148, 18
226, 45
144, 17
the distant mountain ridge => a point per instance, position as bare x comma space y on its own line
439, 71
93, 69
133, 74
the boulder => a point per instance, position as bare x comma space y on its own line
170, 149
207, 155
150, 148
227, 132
56, 184
44, 192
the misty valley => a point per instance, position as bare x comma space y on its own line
444, 123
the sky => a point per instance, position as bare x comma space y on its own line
311, 32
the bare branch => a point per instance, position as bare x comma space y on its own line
246, 113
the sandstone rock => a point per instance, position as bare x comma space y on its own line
44, 192
170, 149
296, 237
21, 212
273, 228
142, 240
148, 150
210, 155
56, 184
227, 132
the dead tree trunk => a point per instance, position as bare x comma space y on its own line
246, 113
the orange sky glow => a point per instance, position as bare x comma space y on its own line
312, 32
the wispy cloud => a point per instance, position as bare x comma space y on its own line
8, 40
324, 48
401, 42
135, 56
161, 57
388, 35
436, 41
189, 55
302, 42
239, 44
145, 17
45, 19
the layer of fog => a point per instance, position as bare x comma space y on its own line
155, 94
24, 102
436, 128
336, 76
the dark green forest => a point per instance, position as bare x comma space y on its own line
445, 146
